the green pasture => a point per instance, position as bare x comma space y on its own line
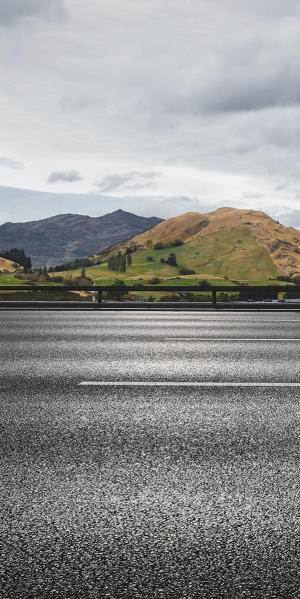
234, 255
9, 279
224, 258
215, 257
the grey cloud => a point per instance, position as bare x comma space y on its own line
67, 177
234, 88
173, 200
245, 64
12, 11
13, 164
139, 186
126, 181
184, 199
282, 186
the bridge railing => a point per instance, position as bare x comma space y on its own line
213, 289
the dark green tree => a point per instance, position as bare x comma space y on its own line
171, 260
18, 256
117, 262
203, 283
116, 295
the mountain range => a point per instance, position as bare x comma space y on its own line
228, 242
65, 237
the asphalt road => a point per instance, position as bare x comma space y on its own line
175, 476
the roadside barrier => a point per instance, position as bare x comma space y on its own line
97, 293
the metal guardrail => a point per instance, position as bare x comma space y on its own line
213, 289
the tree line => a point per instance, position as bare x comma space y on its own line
18, 257
119, 262
72, 265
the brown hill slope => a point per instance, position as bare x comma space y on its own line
281, 243
6, 266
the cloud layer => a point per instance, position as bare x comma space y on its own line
127, 181
117, 91
13, 11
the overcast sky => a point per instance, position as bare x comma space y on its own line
154, 106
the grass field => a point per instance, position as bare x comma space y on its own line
222, 258
9, 279
214, 257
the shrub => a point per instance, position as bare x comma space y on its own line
177, 243
158, 246
223, 297
285, 278
170, 298
204, 283
119, 283
187, 271
82, 282
149, 258
117, 295
127, 297
154, 281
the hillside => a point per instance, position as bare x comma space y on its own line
227, 245
62, 238
6, 266
232, 243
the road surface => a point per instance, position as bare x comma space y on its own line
150, 455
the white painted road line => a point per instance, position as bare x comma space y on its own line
230, 339
183, 384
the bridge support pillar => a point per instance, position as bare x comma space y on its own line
214, 297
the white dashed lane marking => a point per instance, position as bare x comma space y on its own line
184, 384
202, 339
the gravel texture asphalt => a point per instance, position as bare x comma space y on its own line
152, 491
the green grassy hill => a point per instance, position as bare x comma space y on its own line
214, 257
243, 244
